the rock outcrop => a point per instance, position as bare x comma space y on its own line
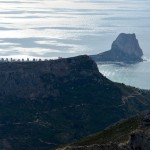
138, 139
124, 49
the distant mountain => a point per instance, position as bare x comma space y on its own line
130, 134
124, 49
45, 104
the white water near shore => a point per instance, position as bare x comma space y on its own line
137, 75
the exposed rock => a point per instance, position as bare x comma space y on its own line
125, 49
128, 44
139, 140
145, 119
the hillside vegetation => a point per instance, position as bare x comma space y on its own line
130, 134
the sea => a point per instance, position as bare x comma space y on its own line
49, 29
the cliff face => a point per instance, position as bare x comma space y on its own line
125, 49
28, 79
45, 104
128, 44
138, 140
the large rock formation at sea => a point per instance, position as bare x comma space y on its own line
45, 104
125, 49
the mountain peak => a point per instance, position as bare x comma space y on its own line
124, 49
127, 43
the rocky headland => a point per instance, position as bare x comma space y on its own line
124, 49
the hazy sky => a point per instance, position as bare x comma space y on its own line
52, 28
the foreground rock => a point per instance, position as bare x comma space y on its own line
138, 139
124, 49
46, 104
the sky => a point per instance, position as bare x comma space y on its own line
62, 28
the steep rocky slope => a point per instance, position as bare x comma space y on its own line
131, 134
45, 104
124, 49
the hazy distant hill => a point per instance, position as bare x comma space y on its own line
45, 104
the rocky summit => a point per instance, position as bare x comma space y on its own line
124, 49
49, 103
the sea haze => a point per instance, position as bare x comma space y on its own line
137, 75
64, 28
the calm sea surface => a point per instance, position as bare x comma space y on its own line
63, 28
